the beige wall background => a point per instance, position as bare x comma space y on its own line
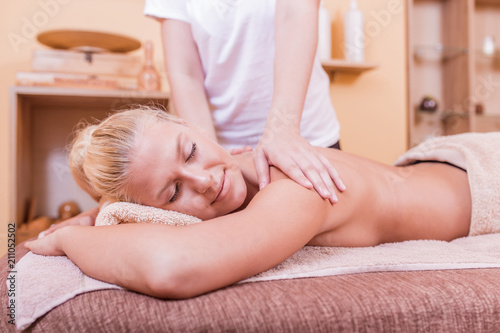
371, 106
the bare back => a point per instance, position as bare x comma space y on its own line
389, 204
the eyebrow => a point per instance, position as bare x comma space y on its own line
178, 150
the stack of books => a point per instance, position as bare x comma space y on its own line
64, 68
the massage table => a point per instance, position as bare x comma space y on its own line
428, 295
465, 300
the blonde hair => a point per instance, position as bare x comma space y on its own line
100, 154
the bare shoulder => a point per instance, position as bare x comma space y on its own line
277, 174
286, 200
284, 191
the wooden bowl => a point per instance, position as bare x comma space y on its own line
86, 41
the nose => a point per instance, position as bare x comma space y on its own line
200, 180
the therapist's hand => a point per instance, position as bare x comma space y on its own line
240, 150
297, 158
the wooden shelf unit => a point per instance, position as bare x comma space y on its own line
334, 66
445, 61
42, 120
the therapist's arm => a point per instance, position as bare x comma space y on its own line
185, 74
296, 34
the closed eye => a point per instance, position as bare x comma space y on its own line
193, 150
176, 193
177, 185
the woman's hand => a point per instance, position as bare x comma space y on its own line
295, 36
295, 156
240, 150
49, 245
85, 218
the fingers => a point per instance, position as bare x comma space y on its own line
334, 175
28, 245
298, 160
246, 148
298, 173
76, 220
40, 246
45, 246
235, 151
285, 163
34, 247
46, 232
55, 227
261, 167
240, 150
314, 169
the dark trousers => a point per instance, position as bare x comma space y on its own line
336, 145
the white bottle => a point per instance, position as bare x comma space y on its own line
324, 33
353, 34
488, 46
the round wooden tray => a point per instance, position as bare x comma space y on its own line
88, 41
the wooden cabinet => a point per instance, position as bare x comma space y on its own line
42, 121
452, 58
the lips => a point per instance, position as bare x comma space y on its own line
222, 181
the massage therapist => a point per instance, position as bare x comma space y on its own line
247, 73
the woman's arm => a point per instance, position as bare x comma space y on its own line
181, 262
296, 35
86, 218
185, 74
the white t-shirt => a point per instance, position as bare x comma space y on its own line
235, 39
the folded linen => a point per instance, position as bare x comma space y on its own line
479, 155
126, 212
45, 282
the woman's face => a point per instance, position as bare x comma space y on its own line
177, 167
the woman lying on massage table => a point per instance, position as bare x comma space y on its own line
144, 156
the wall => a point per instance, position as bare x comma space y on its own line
371, 107
20, 21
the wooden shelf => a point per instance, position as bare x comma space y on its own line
42, 122
49, 95
65, 91
487, 57
445, 59
438, 52
488, 2
478, 2
333, 66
